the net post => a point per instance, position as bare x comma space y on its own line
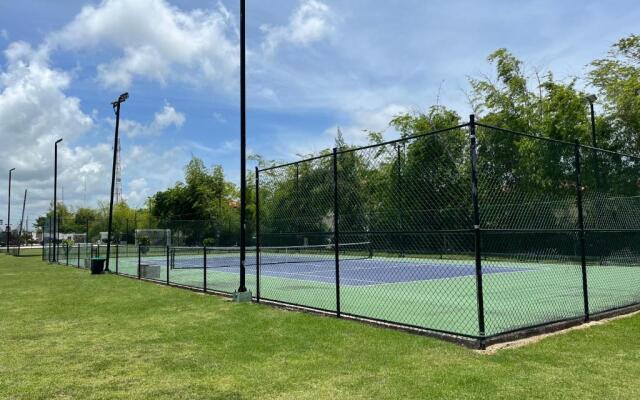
78, 255
583, 255
257, 235
168, 254
336, 230
67, 250
476, 228
139, 260
204, 268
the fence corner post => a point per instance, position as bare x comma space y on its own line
476, 228
336, 228
583, 255
257, 235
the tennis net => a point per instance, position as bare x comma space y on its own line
229, 257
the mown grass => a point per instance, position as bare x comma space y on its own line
65, 334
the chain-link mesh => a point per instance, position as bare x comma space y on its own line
612, 222
297, 210
475, 231
529, 221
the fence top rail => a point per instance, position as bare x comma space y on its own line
617, 153
534, 136
529, 135
350, 150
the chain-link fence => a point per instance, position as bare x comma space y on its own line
474, 231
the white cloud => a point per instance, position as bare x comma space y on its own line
355, 132
311, 22
162, 120
155, 37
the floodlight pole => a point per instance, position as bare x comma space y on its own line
55, 198
9, 211
591, 99
243, 148
24, 203
116, 107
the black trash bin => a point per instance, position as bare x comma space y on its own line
97, 265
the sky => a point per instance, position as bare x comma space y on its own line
312, 65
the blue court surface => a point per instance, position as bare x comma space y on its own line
353, 272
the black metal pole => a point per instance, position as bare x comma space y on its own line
476, 225
257, 235
594, 142
24, 203
116, 106
400, 200
113, 181
55, 200
204, 273
50, 246
297, 204
8, 237
139, 257
336, 228
117, 257
168, 255
243, 148
583, 255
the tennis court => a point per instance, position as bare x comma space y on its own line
414, 290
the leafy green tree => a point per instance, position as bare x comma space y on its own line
617, 79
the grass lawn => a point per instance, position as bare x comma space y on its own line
65, 334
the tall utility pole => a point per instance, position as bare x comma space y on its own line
55, 199
116, 107
9, 211
243, 152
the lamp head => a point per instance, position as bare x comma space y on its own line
58, 141
591, 98
11, 170
121, 99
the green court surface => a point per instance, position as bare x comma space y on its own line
516, 294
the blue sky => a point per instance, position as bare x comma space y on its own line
313, 65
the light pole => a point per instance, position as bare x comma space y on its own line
116, 107
55, 199
592, 99
9, 211
242, 290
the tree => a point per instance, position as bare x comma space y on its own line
617, 79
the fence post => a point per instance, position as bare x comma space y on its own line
400, 199
78, 255
336, 230
258, 233
139, 257
476, 227
68, 246
583, 255
204, 273
117, 256
168, 255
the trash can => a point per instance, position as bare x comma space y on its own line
97, 265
